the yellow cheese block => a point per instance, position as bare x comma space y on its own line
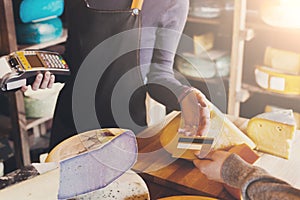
226, 135
277, 81
287, 61
203, 43
273, 132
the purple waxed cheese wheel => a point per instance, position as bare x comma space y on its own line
97, 168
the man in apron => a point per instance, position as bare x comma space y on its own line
151, 31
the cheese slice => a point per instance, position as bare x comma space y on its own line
225, 132
273, 132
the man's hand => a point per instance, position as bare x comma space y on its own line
195, 112
212, 164
41, 82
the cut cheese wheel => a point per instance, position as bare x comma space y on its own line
93, 159
226, 135
273, 132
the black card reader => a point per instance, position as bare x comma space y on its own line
21, 67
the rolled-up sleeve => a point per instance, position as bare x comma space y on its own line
162, 84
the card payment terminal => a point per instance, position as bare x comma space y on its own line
21, 67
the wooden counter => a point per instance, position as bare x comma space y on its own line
167, 176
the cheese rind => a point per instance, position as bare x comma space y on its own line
273, 132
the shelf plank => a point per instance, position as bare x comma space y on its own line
43, 45
35, 122
214, 80
256, 89
6, 126
213, 21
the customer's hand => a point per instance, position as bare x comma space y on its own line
195, 113
41, 81
212, 164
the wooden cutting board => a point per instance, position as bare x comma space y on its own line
284, 169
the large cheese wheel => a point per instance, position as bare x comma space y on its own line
273, 132
93, 159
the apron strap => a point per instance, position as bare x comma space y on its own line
137, 4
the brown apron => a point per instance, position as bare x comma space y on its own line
89, 31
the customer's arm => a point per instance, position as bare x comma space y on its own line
254, 182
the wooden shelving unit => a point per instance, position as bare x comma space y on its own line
237, 55
250, 35
19, 124
246, 22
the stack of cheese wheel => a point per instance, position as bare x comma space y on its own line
280, 72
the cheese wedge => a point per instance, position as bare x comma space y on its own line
269, 108
224, 132
273, 132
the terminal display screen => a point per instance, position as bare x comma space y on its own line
34, 61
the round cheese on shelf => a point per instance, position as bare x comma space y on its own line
275, 80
